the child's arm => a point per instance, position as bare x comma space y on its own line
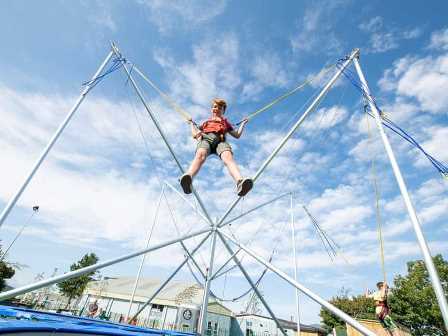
239, 132
195, 132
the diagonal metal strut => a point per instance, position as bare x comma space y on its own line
355, 324
313, 105
252, 284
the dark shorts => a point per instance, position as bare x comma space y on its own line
213, 144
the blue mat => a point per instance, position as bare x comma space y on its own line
13, 319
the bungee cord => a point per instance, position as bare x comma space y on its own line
377, 208
441, 167
187, 117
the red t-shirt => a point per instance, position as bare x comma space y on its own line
216, 126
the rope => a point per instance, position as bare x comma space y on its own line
117, 63
289, 93
388, 123
377, 207
185, 115
239, 297
331, 247
35, 210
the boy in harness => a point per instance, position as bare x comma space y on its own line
382, 309
211, 137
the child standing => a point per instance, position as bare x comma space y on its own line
211, 137
382, 309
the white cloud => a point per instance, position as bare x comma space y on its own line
382, 42
424, 79
436, 144
180, 14
439, 39
383, 38
266, 71
412, 33
326, 118
314, 33
213, 72
373, 25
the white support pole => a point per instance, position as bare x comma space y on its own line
148, 240
441, 298
339, 313
159, 129
217, 274
293, 240
44, 283
315, 102
252, 284
52, 141
163, 285
203, 313
254, 209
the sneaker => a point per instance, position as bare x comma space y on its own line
244, 186
185, 182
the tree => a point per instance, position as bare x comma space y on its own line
355, 306
414, 302
73, 288
6, 271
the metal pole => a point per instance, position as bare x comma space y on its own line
208, 280
137, 278
187, 201
315, 102
293, 238
252, 284
92, 268
163, 285
441, 298
44, 153
159, 128
339, 313
253, 209
184, 247
216, 274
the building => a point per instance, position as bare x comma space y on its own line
176, 307
258, 325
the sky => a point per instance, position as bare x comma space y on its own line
98, 188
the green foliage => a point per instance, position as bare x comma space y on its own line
414, 302
6, 271
73, 288
355, 306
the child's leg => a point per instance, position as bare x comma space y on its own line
227, 158
389, 325
199, 159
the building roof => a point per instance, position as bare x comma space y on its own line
176, 293
285, 323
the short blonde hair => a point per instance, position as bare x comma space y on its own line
220, 102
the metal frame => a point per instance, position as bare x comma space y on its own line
252, 284
215, 227
355, 324
148, 240
434, 277
52, 141
293, 241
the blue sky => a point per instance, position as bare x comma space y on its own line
99, 187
